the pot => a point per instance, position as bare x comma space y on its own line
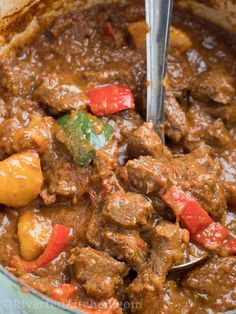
20, 21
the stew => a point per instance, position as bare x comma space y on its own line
95, 210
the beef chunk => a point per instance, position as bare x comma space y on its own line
7, 131
199, 121
127, 247
227, 160
19, 112
147, 174
176, 125
60, 93
142, 295
124, 123
109, 75
199, 174
213, 284
20, 78
128, 209
168, 243
215, 84
99, 274
226, 113
217, 135
104, 161
167, 248
174, 298
145, 141
67, 179
95, 229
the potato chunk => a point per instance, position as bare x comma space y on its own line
34, 231
138, 32
179, 40
20, 179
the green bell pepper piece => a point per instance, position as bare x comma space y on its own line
84, 135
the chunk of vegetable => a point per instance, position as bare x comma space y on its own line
84, 134
109, 99
63, 293
196, 220
138, 32
20, 179
179, 40
56, 244
34, 231
66, 292
109, 30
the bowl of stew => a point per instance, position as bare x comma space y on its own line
95, 210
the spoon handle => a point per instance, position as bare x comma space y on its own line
158, 17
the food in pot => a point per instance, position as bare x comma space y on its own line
95, 210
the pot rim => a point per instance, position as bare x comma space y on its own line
36, 293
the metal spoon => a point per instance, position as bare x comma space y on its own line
185, 266
158, 17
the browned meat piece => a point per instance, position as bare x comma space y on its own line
102, 185
217, 135
174, 298
66, 178
127, 247
95, 229
195, 172
108, 76
60, 93
99, 274
7, 131
199, 121
20, 78
3, 110
145, 141
73, 21
176, 125
104, 161
199, 174
226, 113
128, 209
215, 84
148, 174
227, 160
213, 285
143, 297
168, 244
18, 113
124, 123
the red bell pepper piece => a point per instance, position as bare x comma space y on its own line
63, 293
211, 237
191, 214
109, 30
196, 220
56, 244
109, 99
